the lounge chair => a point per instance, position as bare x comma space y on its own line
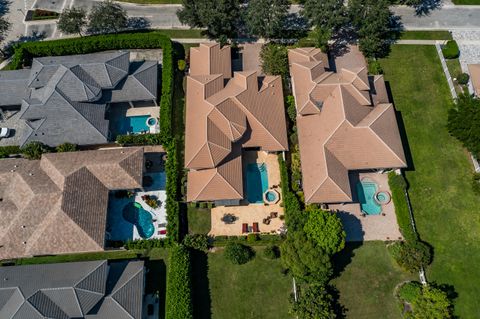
255, 228
273, 214
244, 228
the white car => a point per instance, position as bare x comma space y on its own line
4, 132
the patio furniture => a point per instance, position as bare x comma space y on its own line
244, 228
255, 228
266, 221
273, 214
162, 232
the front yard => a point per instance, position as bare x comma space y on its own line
445, 207
257, 289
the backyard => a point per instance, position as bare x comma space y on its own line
444, 205
257, 289
367, 279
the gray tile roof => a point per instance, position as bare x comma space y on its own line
70, 94
53, 290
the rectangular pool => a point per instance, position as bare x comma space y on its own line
136, 124
366, 196
257, 182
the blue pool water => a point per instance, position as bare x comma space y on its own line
257, 182
136, 215
366, 195
136, 124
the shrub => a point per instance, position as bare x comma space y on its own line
374, 67
6, 151
397, 185
464, 124
314, 302
66, 147
34, 150
196, 241
172, 169
450, 50
397, 181
251, 238
181, 65
409, 291
274, 59
476, 183
291, 109
463, 78
238, 254
139, 139
178, 304
411, 255
326, 230
145, 244
271, 252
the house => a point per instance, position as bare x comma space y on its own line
92, 289
474, 70
225, 117
66, 98
59, 204
345, 122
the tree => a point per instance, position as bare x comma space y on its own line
265, 18
314, 302
464, 122
66, 147
372, 21
305, 260
326, 229
107, 17
238, 254
271, 252
4, 27
327, 17
412, 255
220, 17
274, 59
72, 21
432, 303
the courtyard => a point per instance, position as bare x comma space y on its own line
230, 220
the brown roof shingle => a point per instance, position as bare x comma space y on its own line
343, 123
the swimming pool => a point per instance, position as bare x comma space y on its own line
257, 182
366, 191
136, 215
136, 124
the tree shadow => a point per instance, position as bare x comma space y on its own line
295, 27
339, 309
4, 7
137, 23
426, 6
342, 259
200, 286
156, 282
36, 36
402, 130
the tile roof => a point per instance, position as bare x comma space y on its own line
59, 204
73, 290
224, 114
69, 94
343, 123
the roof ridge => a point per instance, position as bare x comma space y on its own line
126, 281
208, 182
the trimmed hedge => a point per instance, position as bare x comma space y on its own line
295, 217
398, 186
25, 52
6, 151
178, 299
260, 240
450, 50
172, 169
139, 139
145, 244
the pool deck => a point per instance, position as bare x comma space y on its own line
153, 111
370, 227
251, 213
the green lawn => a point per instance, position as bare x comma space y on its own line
466, 2
199, 221
222, 290
181, 33
445, 208
426, 35
367, 283
454, 69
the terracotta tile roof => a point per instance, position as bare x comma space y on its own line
224, 113
343, 123
59, 204
474, 70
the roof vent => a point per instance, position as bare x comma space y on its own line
30, 174
23, 226
24, 242
12, 170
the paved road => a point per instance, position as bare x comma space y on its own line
446, 18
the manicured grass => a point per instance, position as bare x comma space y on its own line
199, 220
366, 284
455, 69
466, 2
153, 254
256, 289
426, 35
444, 205
181, 33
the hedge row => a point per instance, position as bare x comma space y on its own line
398, 186
145, 244
139, 139
251, 240
25, 52
294, 215
179, 302
172, 169
6, 151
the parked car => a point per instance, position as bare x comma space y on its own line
4, 132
